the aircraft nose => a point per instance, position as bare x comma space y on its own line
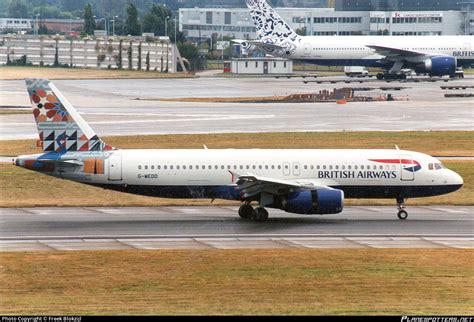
456, 179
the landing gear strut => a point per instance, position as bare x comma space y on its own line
402, 214
246, 211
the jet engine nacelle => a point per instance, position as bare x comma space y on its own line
439, 66
323, 201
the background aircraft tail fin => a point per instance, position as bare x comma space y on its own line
270, 26
61, 129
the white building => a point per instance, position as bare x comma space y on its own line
15, 24
261, 65
199, 24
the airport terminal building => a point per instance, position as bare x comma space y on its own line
199, 24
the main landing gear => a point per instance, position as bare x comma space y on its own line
402, 214
246, 211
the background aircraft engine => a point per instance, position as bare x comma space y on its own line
323, 201
440, 65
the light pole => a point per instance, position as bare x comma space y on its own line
113, 25
36, 24
166, 25
175, 23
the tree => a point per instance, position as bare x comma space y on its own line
155, 19
132, 26
190, 52
89, 21
179, 35
301, 31
17, 9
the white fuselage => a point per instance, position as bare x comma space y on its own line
360, 173
353, 50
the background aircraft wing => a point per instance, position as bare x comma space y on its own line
390, 53
252, 185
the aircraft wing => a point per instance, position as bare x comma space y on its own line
252, 185
391, 53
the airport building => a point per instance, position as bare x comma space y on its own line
199, 24
261, 65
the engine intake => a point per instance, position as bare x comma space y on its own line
440, 65
323, 201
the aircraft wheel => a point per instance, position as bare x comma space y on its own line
379, 76
260, 214
402, 214
402, 76
246, 211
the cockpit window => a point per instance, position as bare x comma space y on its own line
436, 166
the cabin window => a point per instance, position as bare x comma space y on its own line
324, 167
312, 167
184, 167
381, 167
438, 166
286, 166
430, 166
165, 167
146, 167
171, 167
209, 167
356, 167
241, 167
260, 167
235, 167
248, 167
222, 167
158, 167
216, 167
190, 167
153, 167
273, 167
266, 167
177, 167
139, 167
279, 167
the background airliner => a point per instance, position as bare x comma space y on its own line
296, 181
433, 55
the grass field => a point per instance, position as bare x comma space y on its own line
15, 181
333, 281
20, 72
439, 143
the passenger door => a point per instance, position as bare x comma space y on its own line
115, 167
407, 168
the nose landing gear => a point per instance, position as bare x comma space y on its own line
402, 213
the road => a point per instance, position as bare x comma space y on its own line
73, 228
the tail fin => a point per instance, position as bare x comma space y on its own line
271, 28
61, 129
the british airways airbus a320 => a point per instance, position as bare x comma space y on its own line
296, 181
433, 55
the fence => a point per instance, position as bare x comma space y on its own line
126, 53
